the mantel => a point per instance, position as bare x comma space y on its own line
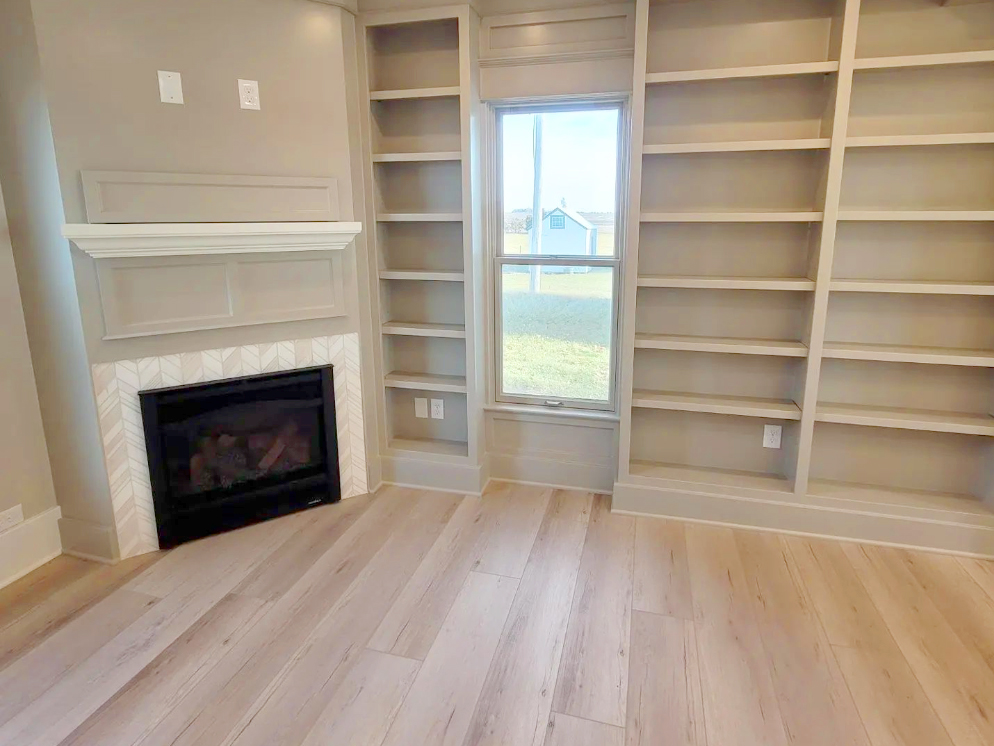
106, 241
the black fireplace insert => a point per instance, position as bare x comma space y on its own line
226, 454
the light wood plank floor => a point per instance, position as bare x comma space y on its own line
531, 616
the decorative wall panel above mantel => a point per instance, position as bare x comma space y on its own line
165, 278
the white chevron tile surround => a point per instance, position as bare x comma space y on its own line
117, 384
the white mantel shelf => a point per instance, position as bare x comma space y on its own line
108, 241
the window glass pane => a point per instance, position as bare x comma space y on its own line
556, 326
577, 157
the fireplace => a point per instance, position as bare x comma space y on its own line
238, 451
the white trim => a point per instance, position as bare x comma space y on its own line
551, 472
29, 545
104, 241
808, 515
558, 58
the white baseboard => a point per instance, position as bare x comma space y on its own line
809, 516
29, 545
441, 476
551, 472
90, 541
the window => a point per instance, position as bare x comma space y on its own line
557, 253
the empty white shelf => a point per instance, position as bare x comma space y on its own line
437, 92
419, 217
922, 215
894, 141
423, 275
900, 501
924, 60
726, 283
778, 409
731, 345
425, 382
436, 447
442, 155
651, 470
906, 419
909, 354
725, 73
411, 329
914, 287
736, 146
732, 217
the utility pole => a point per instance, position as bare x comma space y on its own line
535, 271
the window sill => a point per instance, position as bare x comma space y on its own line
588, 415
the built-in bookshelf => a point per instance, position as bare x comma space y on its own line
421, 91
811, 245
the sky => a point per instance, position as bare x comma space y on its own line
579, 160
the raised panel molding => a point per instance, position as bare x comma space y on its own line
163, 279
146, 197
557, 36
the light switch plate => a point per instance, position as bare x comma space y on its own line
438, 409
11, 517
170, 87
248, 94
421, 407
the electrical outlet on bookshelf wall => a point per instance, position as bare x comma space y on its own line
772, 435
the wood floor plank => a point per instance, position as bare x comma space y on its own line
888, 696
565, 730
665, 704
324, 526
516, 700
593, 674
364, 706
520, 510
740, 703
24, 594
24, 682
213, 707
440, 705
51, 612
982, 571
662, 578
294, 700
411, 624
814, 699
955, 678
967, 609
135, 709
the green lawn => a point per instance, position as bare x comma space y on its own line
557, 341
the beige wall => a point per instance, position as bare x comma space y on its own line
48, 292
99, 61
27, 477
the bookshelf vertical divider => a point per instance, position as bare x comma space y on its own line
826, 249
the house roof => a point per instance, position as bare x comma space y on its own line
574, 216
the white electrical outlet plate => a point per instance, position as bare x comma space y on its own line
11, 517
170, 87
421, 407
437, 409
772, 435
248, 94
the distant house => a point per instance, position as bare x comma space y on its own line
567, 233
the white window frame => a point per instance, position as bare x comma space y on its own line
495, 236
